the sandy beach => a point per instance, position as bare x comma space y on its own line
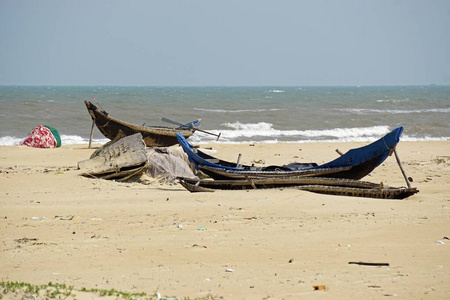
57, 226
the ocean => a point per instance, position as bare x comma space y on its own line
240, 114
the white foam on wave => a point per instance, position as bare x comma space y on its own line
65, 140
407, 138
349, 133
10, 141
265, 132
239, 133
77, 140
238, 110
393, 100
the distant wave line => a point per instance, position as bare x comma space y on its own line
394, 100
238, 110
363, 111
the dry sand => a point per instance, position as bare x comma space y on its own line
57, 226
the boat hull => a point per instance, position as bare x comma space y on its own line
354, 164
113, 128
330, 186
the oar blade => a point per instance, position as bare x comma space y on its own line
172, 122
185, 126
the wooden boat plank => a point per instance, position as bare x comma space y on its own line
278, 182
330, 186
391, 193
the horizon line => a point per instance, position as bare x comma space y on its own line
201, 86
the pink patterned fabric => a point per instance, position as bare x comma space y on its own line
40, 137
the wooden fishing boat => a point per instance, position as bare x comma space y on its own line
331, 186
354, 164
118, 160
153, 136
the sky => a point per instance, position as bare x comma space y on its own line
224, 43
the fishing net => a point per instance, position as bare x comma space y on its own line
166, 164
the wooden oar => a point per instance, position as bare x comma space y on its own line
184, 125
401, 168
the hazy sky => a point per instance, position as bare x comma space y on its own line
207, 42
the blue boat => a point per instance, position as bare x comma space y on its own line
354, 164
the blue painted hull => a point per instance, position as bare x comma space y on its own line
354, 164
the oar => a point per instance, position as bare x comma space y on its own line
184, 125
401, 168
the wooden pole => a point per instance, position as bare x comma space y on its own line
92, 134
238, 165
251, 182
401, 168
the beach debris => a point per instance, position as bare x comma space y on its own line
446, 238
65, 218
291, 260
319, 287
25, 240
229, 270
201, 228
59, 172
443, 159
38, 218
440, 242
199, 246
362, 263
259, 161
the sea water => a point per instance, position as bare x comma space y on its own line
240, 114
